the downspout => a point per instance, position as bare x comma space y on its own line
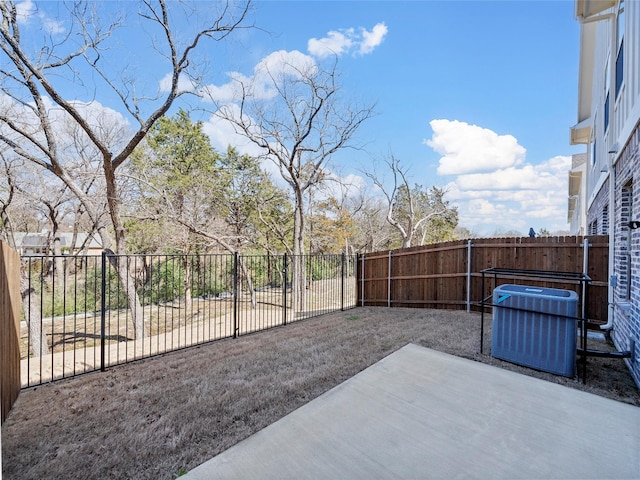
585, 271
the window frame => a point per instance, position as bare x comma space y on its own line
607, 95
620, 31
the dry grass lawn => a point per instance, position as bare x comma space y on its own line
160, 417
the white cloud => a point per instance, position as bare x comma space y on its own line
110, 127
525, 177
372, 39
223, 93
98, 115
341, 188
184, 84
260, 85
486, 209
335, 43
222, 134
494, 188
54, 27
558, 163
350, 40
94, 113
267, 76
469, 148
27, 10
283, 64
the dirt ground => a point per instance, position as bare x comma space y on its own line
161, 417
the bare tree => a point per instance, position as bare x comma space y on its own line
50, 198
7, 197
33, 101
374, 231
409, 209
33, 315
335, 217
30, 298
299, 128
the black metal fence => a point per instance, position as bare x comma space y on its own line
86, 313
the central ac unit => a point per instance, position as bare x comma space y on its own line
535, 327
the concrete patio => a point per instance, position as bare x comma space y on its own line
420, 413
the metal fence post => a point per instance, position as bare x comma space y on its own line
342, 284
235, 295
284, 289
585, 271
362, 279
103, 309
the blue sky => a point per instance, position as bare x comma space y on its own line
484, 70
473, 96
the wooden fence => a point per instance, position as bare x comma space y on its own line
10, 308
448, 275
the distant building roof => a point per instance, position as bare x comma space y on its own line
33, 242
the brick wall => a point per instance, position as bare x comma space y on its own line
627, 250
598, 214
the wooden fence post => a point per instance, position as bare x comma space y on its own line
389, 280
10, 308
362, 279
469, 245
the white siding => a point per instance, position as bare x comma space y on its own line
601, 54
625, 109
627, 106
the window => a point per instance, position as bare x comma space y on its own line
619, 69
620, 57
626, 215
605, 220
606, 112
607, 77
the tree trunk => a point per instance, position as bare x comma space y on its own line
58, 262
188, 301
33, 316
133, 300
127, 282
247, 277
124, 275
298, 280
